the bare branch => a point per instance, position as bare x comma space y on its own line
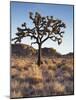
24, 25
45, 39
31, 15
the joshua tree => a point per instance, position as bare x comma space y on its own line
44, 28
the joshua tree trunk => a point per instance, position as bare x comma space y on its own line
39, 54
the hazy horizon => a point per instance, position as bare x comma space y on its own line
20, 14
42, 47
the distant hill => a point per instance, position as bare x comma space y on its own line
26, 50
69, 55
50, 52
22, 50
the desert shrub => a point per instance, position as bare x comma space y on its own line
69, 87
16, 94
60, 65
36, 72
15, 84
58, 87
51, 73
52, 67
67, 74
31, 80
14, 72
46, 62
39, 85
26, 68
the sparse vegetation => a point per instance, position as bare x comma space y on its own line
53, 77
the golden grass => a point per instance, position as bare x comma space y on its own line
16, 94
58, 87
52, 77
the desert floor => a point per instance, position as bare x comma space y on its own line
53, 77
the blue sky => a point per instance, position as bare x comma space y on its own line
20, 14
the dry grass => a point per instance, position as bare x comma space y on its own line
53, 77
58, 87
